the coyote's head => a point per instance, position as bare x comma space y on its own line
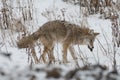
89, 39
25, 42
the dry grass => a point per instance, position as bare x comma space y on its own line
13, 19
10, 21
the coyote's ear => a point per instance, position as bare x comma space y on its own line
95, 34
91, 31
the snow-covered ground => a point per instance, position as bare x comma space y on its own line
18, 62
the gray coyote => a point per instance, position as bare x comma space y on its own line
64, 32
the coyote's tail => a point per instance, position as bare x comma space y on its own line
25, 42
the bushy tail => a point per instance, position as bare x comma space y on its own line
25, 42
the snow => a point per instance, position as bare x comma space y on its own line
18, 62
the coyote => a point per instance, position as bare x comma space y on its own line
64, 32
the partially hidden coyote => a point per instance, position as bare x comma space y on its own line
64, 32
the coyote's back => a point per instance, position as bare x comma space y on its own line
64, 32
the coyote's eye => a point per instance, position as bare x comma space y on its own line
91, 40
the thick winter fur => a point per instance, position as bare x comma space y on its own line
66, 33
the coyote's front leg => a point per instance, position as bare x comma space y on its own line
34, 55
65, 47
72, 51
49, 52
43, 56
51, 56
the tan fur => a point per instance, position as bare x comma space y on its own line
66, 33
